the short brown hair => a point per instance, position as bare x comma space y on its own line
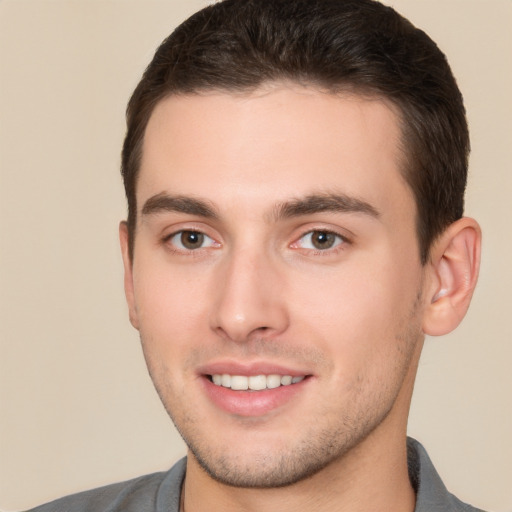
357, 45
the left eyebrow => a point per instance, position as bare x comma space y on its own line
328, 202
163, 202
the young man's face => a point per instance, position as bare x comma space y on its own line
276, 242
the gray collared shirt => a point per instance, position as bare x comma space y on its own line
160, 492
431, 493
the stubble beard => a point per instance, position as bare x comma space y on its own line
289, 466
316, 449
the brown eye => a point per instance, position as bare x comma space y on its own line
320, 240
191, 239
323, 239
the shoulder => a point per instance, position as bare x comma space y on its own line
150, 493
431, 493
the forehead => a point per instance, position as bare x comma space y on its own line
272, 142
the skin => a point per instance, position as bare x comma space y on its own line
256, 175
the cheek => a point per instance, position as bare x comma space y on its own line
169, 303
170, 310
368, 332
357, 313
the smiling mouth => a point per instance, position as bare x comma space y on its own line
254, 382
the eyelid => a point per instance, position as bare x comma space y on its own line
167, 240
340, 245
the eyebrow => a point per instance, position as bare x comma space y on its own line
163, 202
324, 202
314, 203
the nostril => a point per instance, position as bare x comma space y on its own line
260, 331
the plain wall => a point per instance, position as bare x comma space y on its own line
77, 408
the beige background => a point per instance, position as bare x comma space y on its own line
77, 407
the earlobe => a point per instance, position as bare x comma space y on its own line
455, 261
128, 273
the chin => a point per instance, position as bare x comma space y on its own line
268, 465
263, 473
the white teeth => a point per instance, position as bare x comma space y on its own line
257, 382
239, 382
286, 380
254, 382
273, 381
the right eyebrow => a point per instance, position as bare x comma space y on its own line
164, 202
324, 202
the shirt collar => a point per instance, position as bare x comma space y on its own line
431, 493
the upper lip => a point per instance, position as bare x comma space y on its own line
250, 369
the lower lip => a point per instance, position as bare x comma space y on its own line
252, 403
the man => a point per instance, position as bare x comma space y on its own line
295, 174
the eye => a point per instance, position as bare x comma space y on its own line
188, 240
320, 240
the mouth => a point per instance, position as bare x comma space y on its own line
254, 382
253, 390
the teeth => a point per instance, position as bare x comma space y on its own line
239, 382
257, 382
273, 381
254, 383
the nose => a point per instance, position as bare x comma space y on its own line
250, 299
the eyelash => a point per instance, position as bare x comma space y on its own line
340, 243
167, 240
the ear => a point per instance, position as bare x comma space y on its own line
454, 265
128, 274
